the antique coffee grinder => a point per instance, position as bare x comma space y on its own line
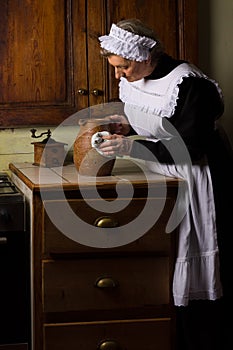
48, 152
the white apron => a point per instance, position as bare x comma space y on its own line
196, 274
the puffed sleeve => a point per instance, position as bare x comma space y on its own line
199, 105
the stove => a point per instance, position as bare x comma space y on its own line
15, 267
6, 185
12, 206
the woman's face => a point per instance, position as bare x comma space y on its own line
131, 70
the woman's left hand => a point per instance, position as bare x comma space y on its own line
116, 145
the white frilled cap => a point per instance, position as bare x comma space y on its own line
126, 44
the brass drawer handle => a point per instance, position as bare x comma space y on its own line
106, 282
106, 222
109, 345
3, 240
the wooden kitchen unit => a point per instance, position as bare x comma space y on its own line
114, 291
50, 59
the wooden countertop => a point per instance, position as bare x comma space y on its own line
124, 171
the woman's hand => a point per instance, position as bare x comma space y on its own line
116, 145
119, 124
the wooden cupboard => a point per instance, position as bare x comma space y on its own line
50, 61
93, 297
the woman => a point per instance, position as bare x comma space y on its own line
174, 107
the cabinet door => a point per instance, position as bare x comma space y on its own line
50, 61
36, 62
89, 67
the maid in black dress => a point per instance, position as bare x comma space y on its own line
174, 109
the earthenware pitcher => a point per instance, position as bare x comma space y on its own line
86, 158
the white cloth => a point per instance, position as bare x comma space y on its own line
196, 274
97, 139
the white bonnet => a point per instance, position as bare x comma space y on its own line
126, 44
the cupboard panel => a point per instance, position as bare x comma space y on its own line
26, 76
36, 61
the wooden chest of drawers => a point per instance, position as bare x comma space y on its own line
87, 297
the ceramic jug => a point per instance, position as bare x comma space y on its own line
86, 158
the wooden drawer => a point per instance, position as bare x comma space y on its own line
14, 347
70, 285
154, 239
152, 334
